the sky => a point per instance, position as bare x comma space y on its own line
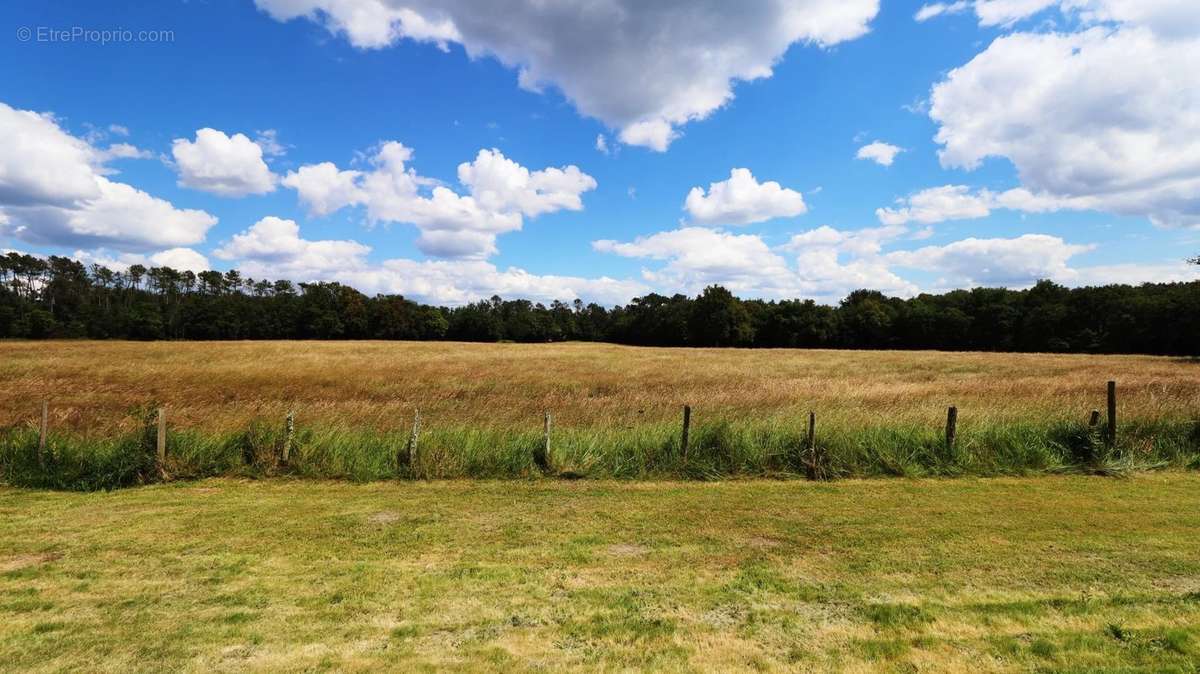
603, 149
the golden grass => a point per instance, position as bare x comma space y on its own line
223, 386
1048, 573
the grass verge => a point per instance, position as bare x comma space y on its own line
1053, 573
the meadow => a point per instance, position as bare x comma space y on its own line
615, 411
1049, 573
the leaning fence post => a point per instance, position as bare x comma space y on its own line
1112, 412
687, 425
289, 436
161, 440
43, 432
951, 426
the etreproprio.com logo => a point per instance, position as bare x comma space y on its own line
83, 34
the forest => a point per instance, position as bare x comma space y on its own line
58, 297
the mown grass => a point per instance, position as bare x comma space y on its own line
1050, 573
615, 411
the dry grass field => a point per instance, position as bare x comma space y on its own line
224, 386
616, 410
1052, 573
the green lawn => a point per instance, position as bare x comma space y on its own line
1057, 573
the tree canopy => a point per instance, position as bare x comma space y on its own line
62, 298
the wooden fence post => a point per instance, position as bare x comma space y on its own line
1094, 419
687, 425
161, 440
1112, 412
412, 437
951, 426
43, 432
289, 436
812, 431
546, 437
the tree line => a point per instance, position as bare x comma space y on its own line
58, 297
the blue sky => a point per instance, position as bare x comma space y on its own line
1002, 141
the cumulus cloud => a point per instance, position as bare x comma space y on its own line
879, 152
275, 243
500, 193
42, 164
742, 200
274, 248
54, 191
228, 166
1104, 116
642, 68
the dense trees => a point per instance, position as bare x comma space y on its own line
60, 297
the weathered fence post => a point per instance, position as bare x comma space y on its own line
43, 432
812, 431
546, 437
1112, 412
951, 426
161, 440
289, 436
687, 425
412, 437
1094, 419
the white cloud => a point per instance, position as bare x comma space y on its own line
42, 164
501, 184
323, 188
268, 140
1166, 17
742, 200
179, 259
879, 152
274, 243
958, 202
229, 166
454, 282
1103, 117
273, 248
861, 242
601, 144
695, 257
120, 216
1015, 262
936, 204
827, 264
118, 130
1135, 274
501, 193
123, 151
642, 68
53, 191
931, 10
